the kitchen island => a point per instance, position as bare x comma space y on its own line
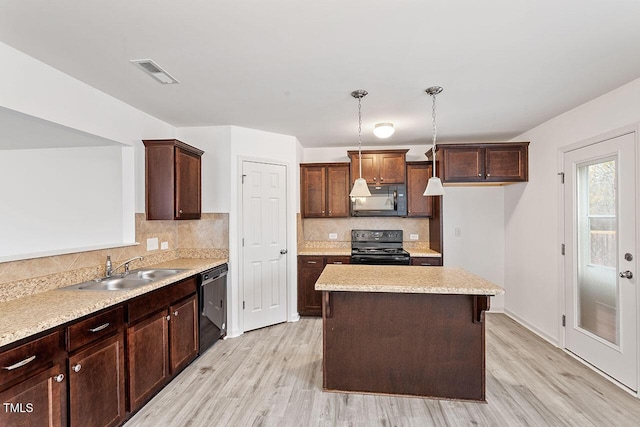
405, 330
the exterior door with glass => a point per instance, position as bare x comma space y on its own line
600, 258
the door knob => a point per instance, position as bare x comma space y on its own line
626, 274
283, 251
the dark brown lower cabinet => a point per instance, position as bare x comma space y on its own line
97, 384
162, 338
147, 355
33, 383
39, 400
183, 332
309, 269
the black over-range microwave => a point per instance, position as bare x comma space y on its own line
385, 200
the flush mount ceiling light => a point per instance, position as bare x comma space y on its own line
155, 71
383, 130
434, 186
360, 188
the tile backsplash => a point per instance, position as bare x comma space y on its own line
318, 229
207, 237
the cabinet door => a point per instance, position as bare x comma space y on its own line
391, 168
338, 191
463, 164
37, 401
309, 300
369, 167
506, 163
313, 191
147, 347
183, 333
96, 384
188, 192
417, 177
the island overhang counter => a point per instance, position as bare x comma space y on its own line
407, 330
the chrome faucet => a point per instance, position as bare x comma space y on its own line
110, 270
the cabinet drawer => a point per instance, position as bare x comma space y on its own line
312, 261
94, 328
338, 260
30, 357
160, 299
427, 261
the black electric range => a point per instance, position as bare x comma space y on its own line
378, 247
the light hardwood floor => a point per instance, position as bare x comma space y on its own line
273, 377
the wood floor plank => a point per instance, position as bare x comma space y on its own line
273, 377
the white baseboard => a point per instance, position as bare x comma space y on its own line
532, 328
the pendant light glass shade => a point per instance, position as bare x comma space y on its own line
434, 185
360, 187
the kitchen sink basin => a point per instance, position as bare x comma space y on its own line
153, 274
132, 280
115, 284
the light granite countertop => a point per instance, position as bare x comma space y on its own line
35, 313
403, 279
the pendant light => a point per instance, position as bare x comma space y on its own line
360, 187
434, 186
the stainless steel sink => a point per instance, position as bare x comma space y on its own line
132, 280
114, 284
153, 274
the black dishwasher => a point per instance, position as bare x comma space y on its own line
212, 305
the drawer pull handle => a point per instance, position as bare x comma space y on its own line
59, 378
311, 262
20, 364
337, 262
99, 328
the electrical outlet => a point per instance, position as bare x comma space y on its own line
164, 245
414, 236
152, 244
457, 232
333, 236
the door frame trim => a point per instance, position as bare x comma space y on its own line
240, 224
562, 150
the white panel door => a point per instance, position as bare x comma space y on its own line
264, 233
600, 264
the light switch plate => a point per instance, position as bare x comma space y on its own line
333, 236
152, 244
164, 245
413, 236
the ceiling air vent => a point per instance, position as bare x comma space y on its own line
154, 70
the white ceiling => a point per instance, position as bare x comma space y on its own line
288, 66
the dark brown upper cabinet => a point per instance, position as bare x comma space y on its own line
484, 163
418, 174
172, 180
379, 166
324, 190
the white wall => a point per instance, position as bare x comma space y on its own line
215, 141
31, 87
532, 242
339, 154
41, 211
478, 213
